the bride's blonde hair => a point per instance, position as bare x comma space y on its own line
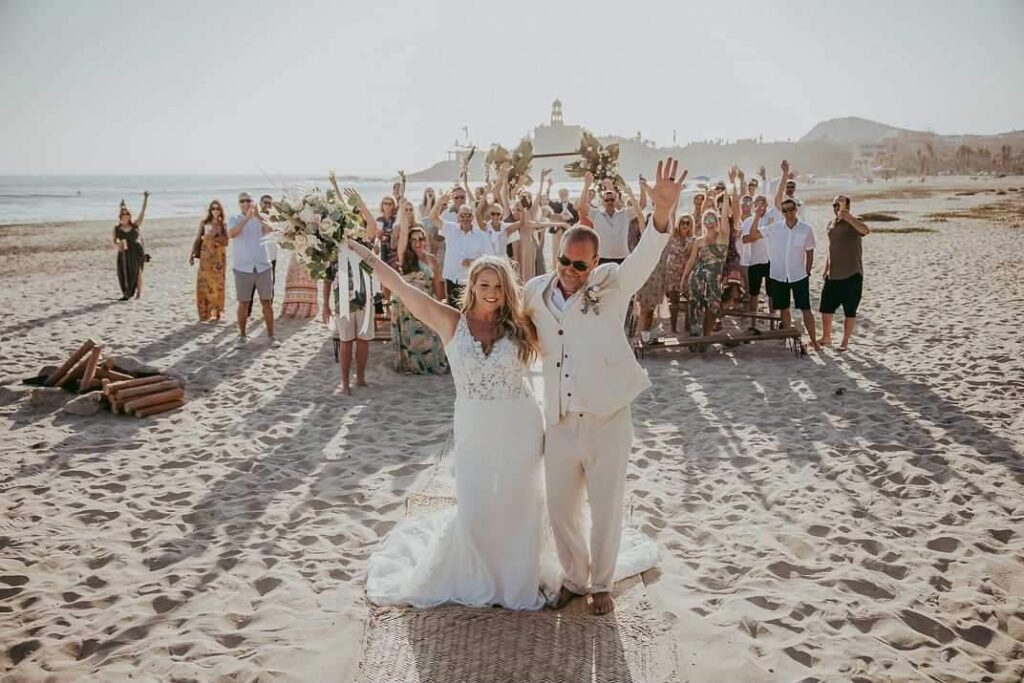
512, 321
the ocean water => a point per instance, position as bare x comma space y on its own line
36, 199
31, 199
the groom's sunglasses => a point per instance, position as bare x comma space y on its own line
581, 266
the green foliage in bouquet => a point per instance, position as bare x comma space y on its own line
602, 161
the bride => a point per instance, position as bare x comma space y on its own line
488, 550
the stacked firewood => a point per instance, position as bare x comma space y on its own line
122, 392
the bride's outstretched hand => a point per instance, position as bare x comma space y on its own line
360, 250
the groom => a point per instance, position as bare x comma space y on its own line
590, 379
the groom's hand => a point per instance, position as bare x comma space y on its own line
665, 192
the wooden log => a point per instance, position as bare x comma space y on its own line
115, 376
78, 355
115, 387
151, 388
90, 368
76, 373
153, 399
159, 408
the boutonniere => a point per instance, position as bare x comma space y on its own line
592, 300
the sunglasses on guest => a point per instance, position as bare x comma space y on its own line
789, 209
245, 201
580, 266
495, 214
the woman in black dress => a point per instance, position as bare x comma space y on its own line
131, 255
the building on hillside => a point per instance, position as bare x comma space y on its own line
556, 136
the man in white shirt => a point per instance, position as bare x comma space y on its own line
251, 264
464, 243
791, 255
754, 255
610, 224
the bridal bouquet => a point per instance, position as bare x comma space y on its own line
602, 161
313, 225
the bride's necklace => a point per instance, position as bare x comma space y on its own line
483, 332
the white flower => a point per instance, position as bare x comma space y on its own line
327, 228
307, 214
592, 299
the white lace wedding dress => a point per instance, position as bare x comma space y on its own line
494, 547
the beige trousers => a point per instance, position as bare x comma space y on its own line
585, 452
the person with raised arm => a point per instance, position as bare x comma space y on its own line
251, 264
590, 379
477, 553
791, 255
131, 251
844, 271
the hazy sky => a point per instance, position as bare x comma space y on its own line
368, 87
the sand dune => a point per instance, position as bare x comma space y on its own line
834, 517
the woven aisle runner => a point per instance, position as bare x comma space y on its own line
455, 644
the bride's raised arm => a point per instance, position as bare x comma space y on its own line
437, 315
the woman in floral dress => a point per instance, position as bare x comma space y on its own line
703, 273
418, 349
677, 253
210, 247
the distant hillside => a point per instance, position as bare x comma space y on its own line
850, 130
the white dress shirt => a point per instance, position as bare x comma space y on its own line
754, 253
613, 231
248, 250
461, 245
786, 249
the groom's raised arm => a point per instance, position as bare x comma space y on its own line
639, 265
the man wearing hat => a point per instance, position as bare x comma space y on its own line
251, 263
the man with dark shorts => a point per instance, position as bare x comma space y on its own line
791, 255
754, 255
844, 271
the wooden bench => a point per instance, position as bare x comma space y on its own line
790, 335
774, 321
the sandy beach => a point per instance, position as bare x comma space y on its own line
854, 516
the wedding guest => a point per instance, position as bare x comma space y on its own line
844, 271
703, 275
131, 253
698, 209
791, 255
464, 243
566, 212
252, 266
354, 332
210, 248
300, 292
425, 209
266, 207
677, 255
732, 276
755, 257
611, 224
398, 188
386, 223
418, 349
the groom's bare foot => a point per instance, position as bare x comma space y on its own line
565, 596
602, 603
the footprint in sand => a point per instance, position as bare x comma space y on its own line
943, 544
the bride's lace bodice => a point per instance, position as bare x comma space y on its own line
500, 375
